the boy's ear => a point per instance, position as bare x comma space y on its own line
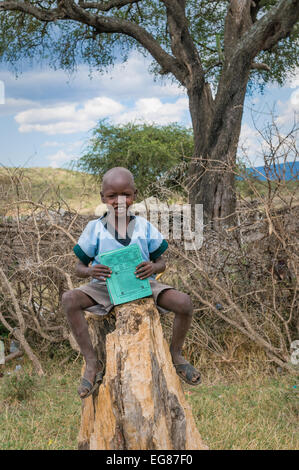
102, 196
135, 193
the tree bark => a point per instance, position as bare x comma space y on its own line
140, 404
215, 146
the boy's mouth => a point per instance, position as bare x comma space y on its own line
120, 209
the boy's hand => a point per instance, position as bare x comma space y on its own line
145, 269
100, 272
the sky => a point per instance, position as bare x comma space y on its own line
46, 116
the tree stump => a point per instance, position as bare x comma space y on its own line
141, 404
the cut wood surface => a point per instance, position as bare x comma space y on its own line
140, 404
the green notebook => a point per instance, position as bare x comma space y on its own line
123, 285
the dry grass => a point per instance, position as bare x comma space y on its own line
78, 190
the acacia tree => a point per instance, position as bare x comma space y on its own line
148, 151
226, 44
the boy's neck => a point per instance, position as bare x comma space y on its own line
121, 221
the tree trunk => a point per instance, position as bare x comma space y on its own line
140, 404
215, 146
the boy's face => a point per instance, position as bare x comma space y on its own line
119, 194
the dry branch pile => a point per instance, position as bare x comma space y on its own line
36, 265
246, 286
244, 279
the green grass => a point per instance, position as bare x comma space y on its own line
258, 413
254, 413
46, 415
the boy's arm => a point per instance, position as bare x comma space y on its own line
98, 271
82, 270
160, 265
148, 268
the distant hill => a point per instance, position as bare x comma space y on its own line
285, 171
80, 190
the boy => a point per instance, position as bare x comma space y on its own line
115, 229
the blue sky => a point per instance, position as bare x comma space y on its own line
46, 116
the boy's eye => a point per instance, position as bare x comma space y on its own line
114, 195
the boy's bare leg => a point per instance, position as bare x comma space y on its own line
74, 303
181, 305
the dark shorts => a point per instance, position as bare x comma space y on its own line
99, 293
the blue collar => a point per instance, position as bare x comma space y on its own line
124, 241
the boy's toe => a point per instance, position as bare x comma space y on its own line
188, 373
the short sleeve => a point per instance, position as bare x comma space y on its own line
87, 246
156, 242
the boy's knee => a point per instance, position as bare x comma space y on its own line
186, 305
68, 299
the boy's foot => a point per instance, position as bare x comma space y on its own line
91, 379
185, 370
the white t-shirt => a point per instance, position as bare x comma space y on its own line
98, 237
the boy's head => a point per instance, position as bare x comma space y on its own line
118, 189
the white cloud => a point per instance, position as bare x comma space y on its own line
133, 79
152, 110
50, 143
250, 146
74, 145
13, 105
59, 158
289, 109
67, 118
2, 92
293, 81
121, 83
70, 118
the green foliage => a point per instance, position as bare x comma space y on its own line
62, 45
66, 43
148, 151
283, 60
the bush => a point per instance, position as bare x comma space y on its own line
148, 151
18, 387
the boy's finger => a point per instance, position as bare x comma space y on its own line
146, 272
142, 268
100, 277
102, 268
140, 265
144, 276
142, 271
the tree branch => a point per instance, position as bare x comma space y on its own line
260, 66
182, 44
42, 15
111, 24
68, 9
237, 22
273, 26
106, 6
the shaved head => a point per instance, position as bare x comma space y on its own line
117, 175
